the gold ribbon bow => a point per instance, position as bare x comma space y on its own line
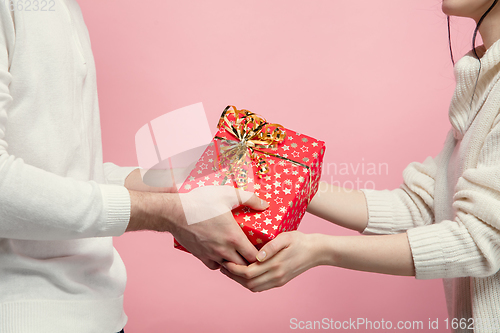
253, 134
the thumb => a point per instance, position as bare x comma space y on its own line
271, 248
254, 202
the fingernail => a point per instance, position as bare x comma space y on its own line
264, 203
261, 256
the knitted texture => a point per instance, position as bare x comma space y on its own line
450, 205
59, 203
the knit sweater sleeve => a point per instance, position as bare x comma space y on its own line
469, 245
39, 205
411, 205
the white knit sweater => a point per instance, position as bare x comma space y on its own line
450, 205
59, 271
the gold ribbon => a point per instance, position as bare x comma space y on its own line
253, 133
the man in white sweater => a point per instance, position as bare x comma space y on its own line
59, 203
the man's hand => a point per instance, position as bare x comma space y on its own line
280, 260
200, 220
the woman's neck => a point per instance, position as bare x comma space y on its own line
490, 28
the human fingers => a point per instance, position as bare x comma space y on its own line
246, 272
266, 281
251, 200
282, 241
210, 263
245, 247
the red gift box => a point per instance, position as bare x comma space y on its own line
279, 165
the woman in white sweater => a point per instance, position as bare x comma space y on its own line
443, 222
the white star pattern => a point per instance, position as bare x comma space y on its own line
200, 183
315, 155
288, 182
267, 195
267, 213
277, 184
282, 210
250, 233
304, 149
301, 179
210, 152
257, 216
285, 147
246, 218
286, 171
271, 161
268, 221
278, 200
275, 227
211, 160
282, 163
268, 177
295, 154
285, 155
256, 225
278, 217
203, 166
215, 183
314, 144
256, 186
187, 187
268, 186
277, 192
295, 172
199, 171
191, 178
207, 177
264, 231
277, 175
290, 138
287, 190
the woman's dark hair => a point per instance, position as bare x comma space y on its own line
475, 32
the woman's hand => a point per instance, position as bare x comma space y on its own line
280, 260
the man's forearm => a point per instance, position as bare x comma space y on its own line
154, 211
344, 207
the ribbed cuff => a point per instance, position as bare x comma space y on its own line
391, 212
117, 209
380, 217
444, 250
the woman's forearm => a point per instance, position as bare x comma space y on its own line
344, 207
386, 254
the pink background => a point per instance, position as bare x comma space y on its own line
371, 78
